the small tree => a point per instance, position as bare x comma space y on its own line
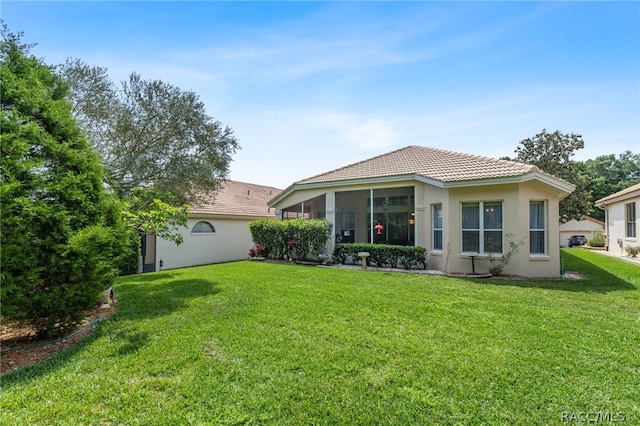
62, 233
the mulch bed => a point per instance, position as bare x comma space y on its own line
19, 341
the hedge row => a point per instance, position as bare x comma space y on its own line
295, 238
382, 255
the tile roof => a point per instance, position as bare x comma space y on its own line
239, 199
432, 163
613, 197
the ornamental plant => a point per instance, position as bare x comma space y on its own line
256, 251
301, 238
632, 251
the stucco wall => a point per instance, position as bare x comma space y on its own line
616, 226
515, 198
231, 241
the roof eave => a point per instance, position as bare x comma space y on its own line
610, 200
347, 182
561, 186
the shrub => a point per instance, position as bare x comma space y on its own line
597, 240
129, 261
632, 251
256, 250
382, 255
296, 238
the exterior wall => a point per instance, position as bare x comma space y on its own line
535, 265
616, 226
231, 241
515, 198
426, 196
584, 227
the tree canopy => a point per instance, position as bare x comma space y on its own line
62, 232
552, 153
150, 133
609, 174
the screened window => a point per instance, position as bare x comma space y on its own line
630, 220
437, 226
537, 227
203, 227
482, 227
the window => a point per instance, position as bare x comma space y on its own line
630, 220
436, 221
537, 227
482, 227
203, 228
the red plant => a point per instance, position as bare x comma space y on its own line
256, 250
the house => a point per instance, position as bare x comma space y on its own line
217, 231
622, 215
585, 226
463, 208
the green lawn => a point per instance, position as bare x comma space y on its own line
264, 343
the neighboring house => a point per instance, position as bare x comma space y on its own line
455, 205
217, 231
585, 226
621, 216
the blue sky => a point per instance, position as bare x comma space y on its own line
311, 86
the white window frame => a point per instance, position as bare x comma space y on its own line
434, 228
545, 230
481, 230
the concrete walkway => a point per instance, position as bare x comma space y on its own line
617, 253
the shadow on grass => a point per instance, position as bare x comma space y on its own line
139, 297
152, 299
595, 279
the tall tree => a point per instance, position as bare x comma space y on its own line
62, 232
609, 174
150, 133
552, 153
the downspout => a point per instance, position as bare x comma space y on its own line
606, 227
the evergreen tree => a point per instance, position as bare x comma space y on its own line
62, 232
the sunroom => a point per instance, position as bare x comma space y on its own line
381, 216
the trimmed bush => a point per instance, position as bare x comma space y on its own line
382, 255
295, 238
597, 240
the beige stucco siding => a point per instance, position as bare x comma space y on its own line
426, 197
515, 199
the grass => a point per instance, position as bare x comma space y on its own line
263, 343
